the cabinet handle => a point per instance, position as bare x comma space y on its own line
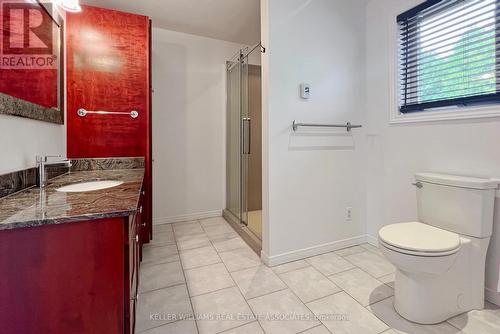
144, 224
143, 193
137, 238
140, 209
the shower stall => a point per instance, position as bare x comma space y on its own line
244, 146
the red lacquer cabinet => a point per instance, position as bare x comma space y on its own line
109, 69
77, 277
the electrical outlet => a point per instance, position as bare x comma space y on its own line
348, 213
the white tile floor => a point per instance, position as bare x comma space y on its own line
204, 269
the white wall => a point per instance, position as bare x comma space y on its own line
189, 121
21, 140
396, 152
309, 180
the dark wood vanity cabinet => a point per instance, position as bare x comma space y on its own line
75, 277
134, 251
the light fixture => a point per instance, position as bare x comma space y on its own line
72, 6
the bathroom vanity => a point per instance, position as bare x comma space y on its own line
69, 261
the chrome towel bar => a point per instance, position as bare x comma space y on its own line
82, 113
348, 125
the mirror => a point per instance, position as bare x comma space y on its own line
31, 60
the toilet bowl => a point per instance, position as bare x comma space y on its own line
440, 260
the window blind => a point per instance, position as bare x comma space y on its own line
449, 54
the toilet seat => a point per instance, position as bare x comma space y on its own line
415, 238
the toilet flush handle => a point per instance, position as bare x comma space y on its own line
418, 184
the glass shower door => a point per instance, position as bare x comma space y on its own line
238, 142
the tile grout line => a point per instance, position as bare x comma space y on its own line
164, 287
300, 300
288, 287
239, 326
342, 290
348, 247
327, 277
187, 286
284, 272
324, 276
202, 266
320, 325
238, 288
158, 263
311, 265
163, 325
381, 283
452, 325
206, 293
377, 278
278, 276
307, 307
270, 293
390, 327
150, 245
149, 265
168, 287
366, 307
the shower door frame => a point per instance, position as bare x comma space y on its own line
239, 220
244, 140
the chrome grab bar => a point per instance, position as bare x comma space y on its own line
82, 113
348, 125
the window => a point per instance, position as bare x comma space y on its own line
449, 54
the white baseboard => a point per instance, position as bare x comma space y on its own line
311, 251
372, 240
492, 296
188, 217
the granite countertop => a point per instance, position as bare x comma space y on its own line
32, 207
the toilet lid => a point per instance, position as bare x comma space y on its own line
419, 237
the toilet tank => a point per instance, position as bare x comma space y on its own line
459, 204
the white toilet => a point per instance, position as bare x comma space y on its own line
440, 259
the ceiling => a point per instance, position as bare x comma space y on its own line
230, 20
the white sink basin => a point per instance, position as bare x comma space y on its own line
89, 186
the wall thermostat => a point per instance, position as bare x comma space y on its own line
305, 91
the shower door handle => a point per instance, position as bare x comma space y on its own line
247, 127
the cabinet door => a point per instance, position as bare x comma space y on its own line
107, 69
69, 280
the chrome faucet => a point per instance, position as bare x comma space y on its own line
43, 161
